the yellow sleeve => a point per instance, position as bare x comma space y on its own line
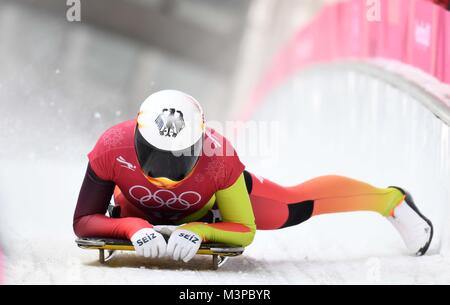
238, 226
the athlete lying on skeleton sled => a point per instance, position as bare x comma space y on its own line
167, 168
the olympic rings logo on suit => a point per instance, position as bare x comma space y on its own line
173, 201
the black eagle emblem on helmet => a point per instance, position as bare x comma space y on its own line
170, 122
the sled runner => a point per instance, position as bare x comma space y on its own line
219, 252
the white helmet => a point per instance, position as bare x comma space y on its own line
169, 134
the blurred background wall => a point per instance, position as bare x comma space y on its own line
63, 82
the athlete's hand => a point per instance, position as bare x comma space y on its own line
149, 243
183, 244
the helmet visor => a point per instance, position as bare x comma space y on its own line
157, 163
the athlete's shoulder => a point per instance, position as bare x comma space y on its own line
115, 142
119, 136
222, 164
217, 144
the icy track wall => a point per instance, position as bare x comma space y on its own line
354, 100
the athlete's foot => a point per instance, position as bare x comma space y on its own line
415, 229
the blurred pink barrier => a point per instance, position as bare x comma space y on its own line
445, 43
415, 32
422, 36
